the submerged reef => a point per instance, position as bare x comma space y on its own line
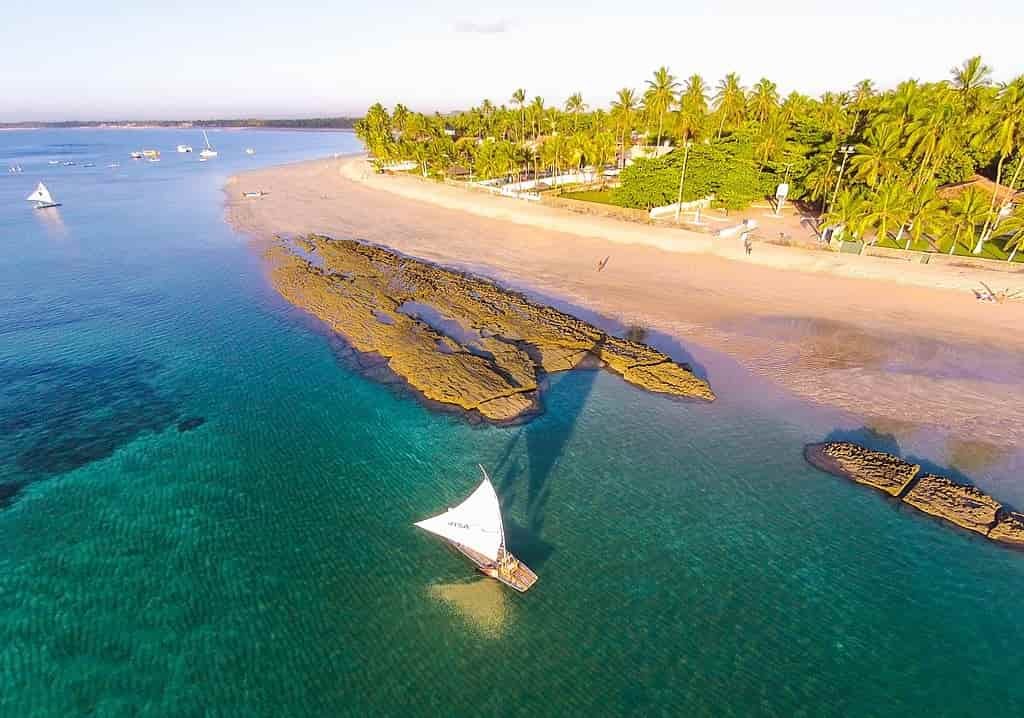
960, 504
457, 339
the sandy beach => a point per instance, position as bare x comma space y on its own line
905, 346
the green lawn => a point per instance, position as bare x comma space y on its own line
603, 196
992, 250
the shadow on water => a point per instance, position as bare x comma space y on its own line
529, 478
57, 417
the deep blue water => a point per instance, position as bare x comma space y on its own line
207, 513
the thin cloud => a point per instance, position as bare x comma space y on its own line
483, 28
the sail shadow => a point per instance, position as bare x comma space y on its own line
528, 478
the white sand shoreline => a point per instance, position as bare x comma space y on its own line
829, 330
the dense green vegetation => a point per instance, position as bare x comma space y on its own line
870, 162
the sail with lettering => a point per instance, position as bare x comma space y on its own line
475, 523
475, 529
42, 197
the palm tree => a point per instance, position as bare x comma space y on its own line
879, 157
966, 212
772, 138
693, 108
926, 214
623, 110
729, 101
574, 106
537, 113
602, 151
846, 213
519, 99
764, 98
1007, 135
1013, 231
932, 134
660, 95
889, 206
969, 78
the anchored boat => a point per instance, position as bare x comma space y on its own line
42, 197
475, 529
207, 151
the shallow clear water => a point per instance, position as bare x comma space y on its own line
207, 513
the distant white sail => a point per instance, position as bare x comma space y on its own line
41, 195
475, 523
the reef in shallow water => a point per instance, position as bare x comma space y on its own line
458, 339
960, 504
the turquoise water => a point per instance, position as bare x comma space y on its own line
206, 512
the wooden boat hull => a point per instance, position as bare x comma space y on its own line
522, 579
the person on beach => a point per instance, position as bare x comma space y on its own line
748, 244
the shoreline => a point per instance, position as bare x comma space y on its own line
903, 356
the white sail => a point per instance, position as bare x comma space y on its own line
40, 195
205, 137
475, 523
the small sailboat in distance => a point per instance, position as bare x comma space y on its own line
42, 197
475, 529
207, 151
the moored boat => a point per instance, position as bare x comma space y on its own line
207, 151
184, 148
475, 529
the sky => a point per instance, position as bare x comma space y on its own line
108, 60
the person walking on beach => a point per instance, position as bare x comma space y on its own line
748, 244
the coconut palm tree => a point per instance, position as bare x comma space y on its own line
846, 213
1006, 134
575, 106
771, 138
969, 79
764, 99
602, 151
1012, 231
519, 99
932, 133
926, 214
537, 115
966, 213
729, 101
879, 157
888, 206
693, 108
659, 96
623, 112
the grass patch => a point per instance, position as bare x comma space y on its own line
603, 196
992, 250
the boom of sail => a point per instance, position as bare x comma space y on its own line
475, 528
42, 197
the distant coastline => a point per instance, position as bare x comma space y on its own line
315, 123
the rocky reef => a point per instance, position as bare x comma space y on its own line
960, 504
457, 339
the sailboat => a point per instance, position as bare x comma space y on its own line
42, 197
208, 151
475, 529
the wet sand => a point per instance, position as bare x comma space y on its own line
900, 345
